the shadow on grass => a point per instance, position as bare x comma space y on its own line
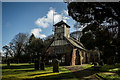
106, 68
16, 72
19, 69
26, 70
66, 76
61, 76
84, 73
18, 66
40, 74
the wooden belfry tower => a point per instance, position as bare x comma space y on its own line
61, 30
68, 50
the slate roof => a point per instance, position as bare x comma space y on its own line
75, 43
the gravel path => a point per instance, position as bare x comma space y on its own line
82, 74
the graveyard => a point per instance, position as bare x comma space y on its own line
26, 71
68, 41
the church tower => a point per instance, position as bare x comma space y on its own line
61, 30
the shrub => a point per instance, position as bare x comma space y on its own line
118, 72
111, 60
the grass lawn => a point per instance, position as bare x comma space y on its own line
87, 66
110, 72
26, 71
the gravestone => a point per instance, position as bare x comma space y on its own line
42, 65
55, 65
36, 64
101, 63
8, 62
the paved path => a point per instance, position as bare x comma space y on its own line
82, 74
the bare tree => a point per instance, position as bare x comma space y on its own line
8, 53
19, 42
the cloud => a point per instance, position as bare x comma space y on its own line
36, 32
42, 22
47, 20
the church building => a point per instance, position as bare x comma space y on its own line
66, 49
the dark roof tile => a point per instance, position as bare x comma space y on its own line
60, 23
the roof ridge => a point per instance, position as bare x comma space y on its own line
51, 41
71, 41
61, 22
77, 42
